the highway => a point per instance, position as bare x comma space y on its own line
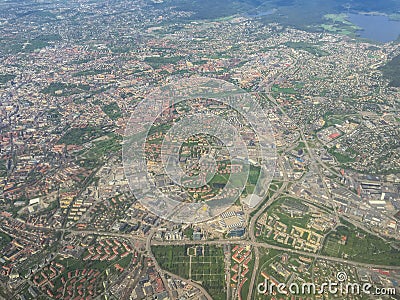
251, 231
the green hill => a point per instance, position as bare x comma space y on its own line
391, 71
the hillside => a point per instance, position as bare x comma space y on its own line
391, 71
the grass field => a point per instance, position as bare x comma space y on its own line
341, 158
112, 110
338, 23
65, 89
4, 78
79, 136
360, 246
207, 269
310, 48
157, 62
277, 89
91, 72
4, 240
3, 167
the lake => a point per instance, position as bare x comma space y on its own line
262, 13
376, 27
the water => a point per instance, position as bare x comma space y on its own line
262, 13
376, 27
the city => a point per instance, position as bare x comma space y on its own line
326, 201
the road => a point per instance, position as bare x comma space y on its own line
193, 283
251, 229
279, 192
228, 272
268, 246
156, 265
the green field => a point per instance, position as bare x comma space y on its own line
3, 167
65, 89
207, 270
310, 48
4, 78
79, 136
91, 72
157, 62
277, 89
300, 146
112, 110
30, 45
338, 23
332, 120
341, 158
101, 150
360, 246
4, 240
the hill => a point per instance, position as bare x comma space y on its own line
391, 71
